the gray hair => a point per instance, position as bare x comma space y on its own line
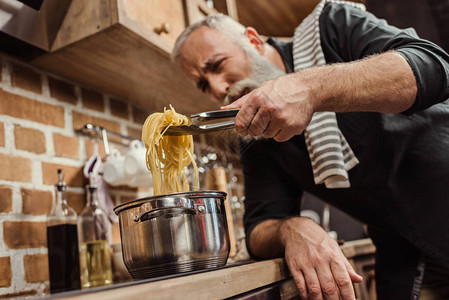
222, 23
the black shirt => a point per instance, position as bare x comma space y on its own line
399, 187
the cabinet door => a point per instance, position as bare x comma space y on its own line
162, 17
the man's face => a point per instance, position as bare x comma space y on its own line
222, 68
213, 62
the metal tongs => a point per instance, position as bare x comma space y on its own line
198, 120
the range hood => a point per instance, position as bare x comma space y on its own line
35, 22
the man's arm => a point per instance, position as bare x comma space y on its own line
382, 83
350, 34
283, 107
314, 259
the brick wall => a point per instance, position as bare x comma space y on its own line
39, 116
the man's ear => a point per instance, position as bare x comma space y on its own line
255, 39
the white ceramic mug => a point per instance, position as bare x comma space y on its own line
135, 159
113, 170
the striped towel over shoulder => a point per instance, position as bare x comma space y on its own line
330, 154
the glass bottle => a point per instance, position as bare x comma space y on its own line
94, 230
62, 242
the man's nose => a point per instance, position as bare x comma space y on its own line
218, 89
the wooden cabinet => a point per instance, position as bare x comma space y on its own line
158, 20
164, 17
115, 46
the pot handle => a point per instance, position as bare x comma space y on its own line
173, 211
184, 204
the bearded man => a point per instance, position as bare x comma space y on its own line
353, 111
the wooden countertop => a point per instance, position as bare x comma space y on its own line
221, 283
217, 284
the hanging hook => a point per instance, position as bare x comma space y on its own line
96, 131
104, 133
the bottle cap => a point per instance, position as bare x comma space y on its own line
61, 185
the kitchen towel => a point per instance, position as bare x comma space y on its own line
330, 154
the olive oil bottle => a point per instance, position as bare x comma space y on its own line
94, 230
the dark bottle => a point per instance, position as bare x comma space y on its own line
62, 242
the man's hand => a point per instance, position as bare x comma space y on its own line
279, 109
318, 266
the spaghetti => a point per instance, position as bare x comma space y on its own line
168, 156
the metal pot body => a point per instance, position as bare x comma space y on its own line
174, 233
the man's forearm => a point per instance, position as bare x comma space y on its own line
264, 240
382, 83
268, 238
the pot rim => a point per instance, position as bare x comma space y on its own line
189, 195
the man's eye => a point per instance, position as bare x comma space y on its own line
216, 65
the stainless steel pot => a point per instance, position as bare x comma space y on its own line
174, 233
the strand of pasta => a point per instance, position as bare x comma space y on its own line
168, 156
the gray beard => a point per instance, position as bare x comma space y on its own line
262, 71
